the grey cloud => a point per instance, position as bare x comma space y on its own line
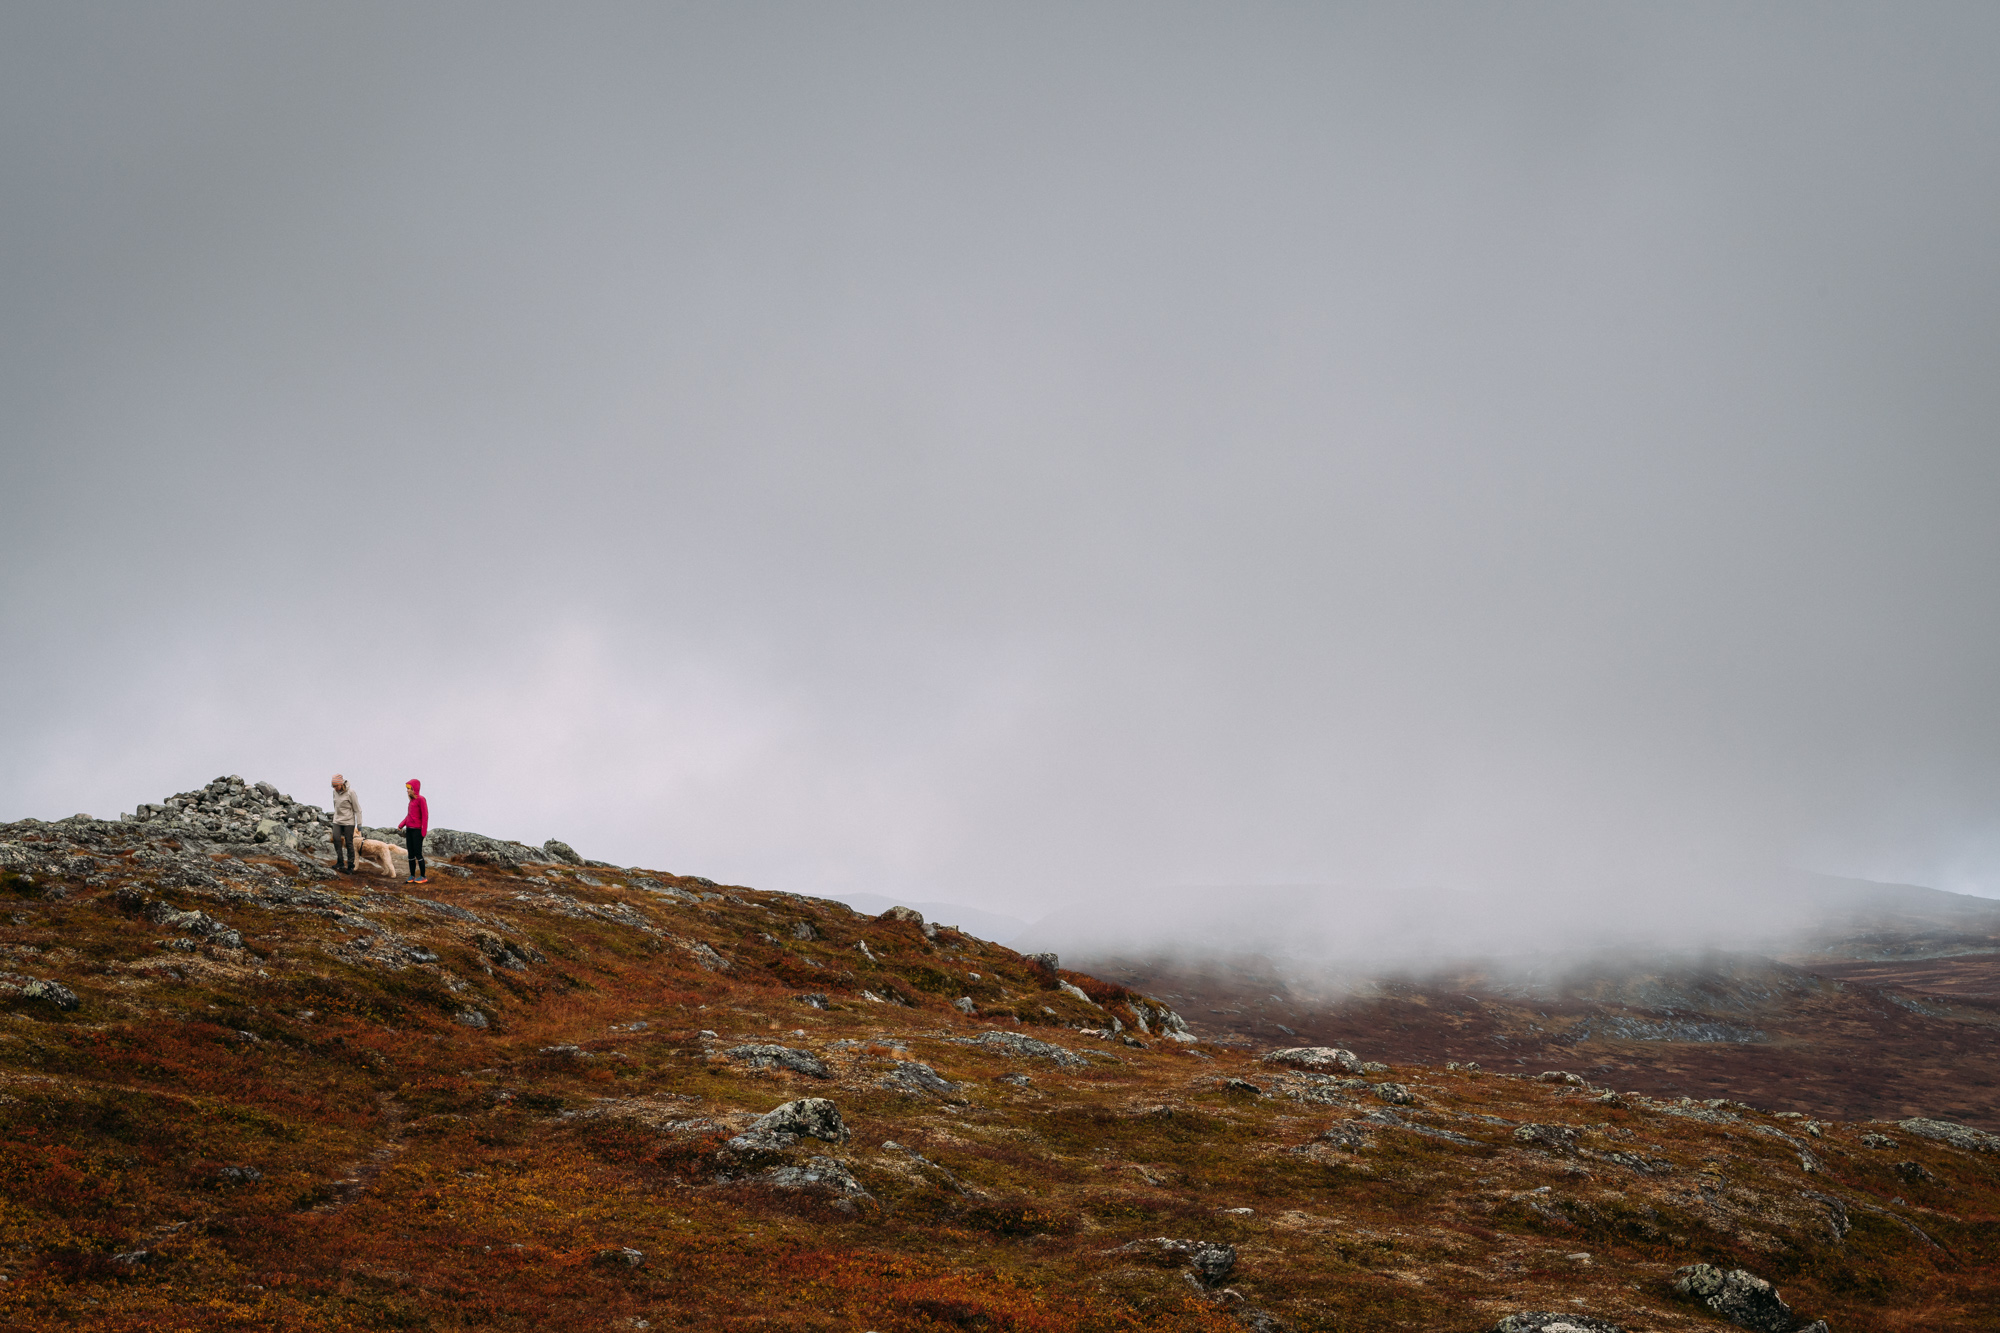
1016, 454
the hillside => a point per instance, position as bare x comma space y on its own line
240, 1092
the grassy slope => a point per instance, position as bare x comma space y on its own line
419, 1173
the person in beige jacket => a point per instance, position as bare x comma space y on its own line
346, 819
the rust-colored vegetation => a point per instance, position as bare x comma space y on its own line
507, 1100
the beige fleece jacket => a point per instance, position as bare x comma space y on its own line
347, 807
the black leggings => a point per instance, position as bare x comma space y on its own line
413, 843
343, 846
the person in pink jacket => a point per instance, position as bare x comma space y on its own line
415, 824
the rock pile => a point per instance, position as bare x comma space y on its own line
229, 809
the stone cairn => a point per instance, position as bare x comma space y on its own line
232, 810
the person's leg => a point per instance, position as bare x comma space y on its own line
343, 846
420, 867
413, 843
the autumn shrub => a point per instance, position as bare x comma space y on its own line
1020, 1216
445, 1095
931, 979
1105, 993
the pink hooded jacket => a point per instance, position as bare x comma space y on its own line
419, 817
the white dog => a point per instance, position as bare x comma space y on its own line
373, 851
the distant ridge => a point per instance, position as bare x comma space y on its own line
1791, 915
995, 926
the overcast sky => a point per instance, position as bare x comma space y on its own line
1016, 454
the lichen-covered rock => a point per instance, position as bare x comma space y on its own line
622, 1257
1317, 1058
1014, 1043
480, 850
1958, 1136
1210, 1262
818, 1173
914, 1076
1345, 1134
33, 988
1157, 1019
1395, 1094
1544, 1321
1556, 1138
761, 1056
195, 923
782, 1126
705, 957
911, 915
510, 954
1741, 1297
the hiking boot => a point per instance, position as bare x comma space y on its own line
425, 880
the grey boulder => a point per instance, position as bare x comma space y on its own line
1318, 1058
914, 1076
32, 988
1958, 1136
622, 1257
1556, 1138
782, 1126
1014, 1043
1210, 1262
821, 1173
1741, 1297
761, 1056
1543, 1321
